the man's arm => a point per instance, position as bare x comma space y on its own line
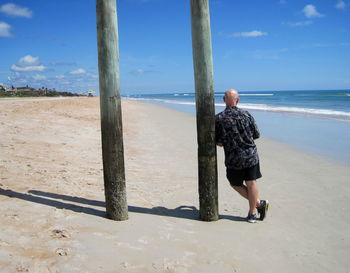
218, 132
254, 127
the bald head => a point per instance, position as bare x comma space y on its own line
231, 97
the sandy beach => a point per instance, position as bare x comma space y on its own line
52, 198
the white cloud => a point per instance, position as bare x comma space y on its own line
17, 79
92, 75
38, 77
140, 71
28, 63
15, 67
340, 5
28, 60
310, 11
300, 24
22, 81
137, 71
254, 33
5, 30
65, 82
59, 76
77, 71
14, 10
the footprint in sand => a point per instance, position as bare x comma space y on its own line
62, 251
58, 233
3, 243
21, 268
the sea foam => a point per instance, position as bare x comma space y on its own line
262, 107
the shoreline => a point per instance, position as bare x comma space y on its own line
297, 147
52, 199
222, 106
312, 111
311, 138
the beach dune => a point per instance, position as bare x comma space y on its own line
52, 198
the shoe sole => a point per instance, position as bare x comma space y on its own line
252, 220
263, 215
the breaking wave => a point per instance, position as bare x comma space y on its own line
261, 107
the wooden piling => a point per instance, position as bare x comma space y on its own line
205, 108
110, 107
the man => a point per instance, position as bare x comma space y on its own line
236, 131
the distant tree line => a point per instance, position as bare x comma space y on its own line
31, 92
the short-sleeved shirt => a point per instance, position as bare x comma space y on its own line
236, 130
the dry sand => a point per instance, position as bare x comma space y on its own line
52, 200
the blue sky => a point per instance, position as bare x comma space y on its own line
257, 45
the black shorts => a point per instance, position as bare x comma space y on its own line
236, 177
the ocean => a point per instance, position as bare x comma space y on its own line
316, 121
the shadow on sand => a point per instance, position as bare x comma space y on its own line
48, 199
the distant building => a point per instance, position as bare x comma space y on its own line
25, 89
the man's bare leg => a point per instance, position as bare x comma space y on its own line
243, 191
253, 195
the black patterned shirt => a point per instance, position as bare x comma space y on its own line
236, 130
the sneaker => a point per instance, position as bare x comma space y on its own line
263, 208
251, 218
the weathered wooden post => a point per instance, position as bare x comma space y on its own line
111, 115
205, 107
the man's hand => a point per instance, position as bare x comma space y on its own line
219, 144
